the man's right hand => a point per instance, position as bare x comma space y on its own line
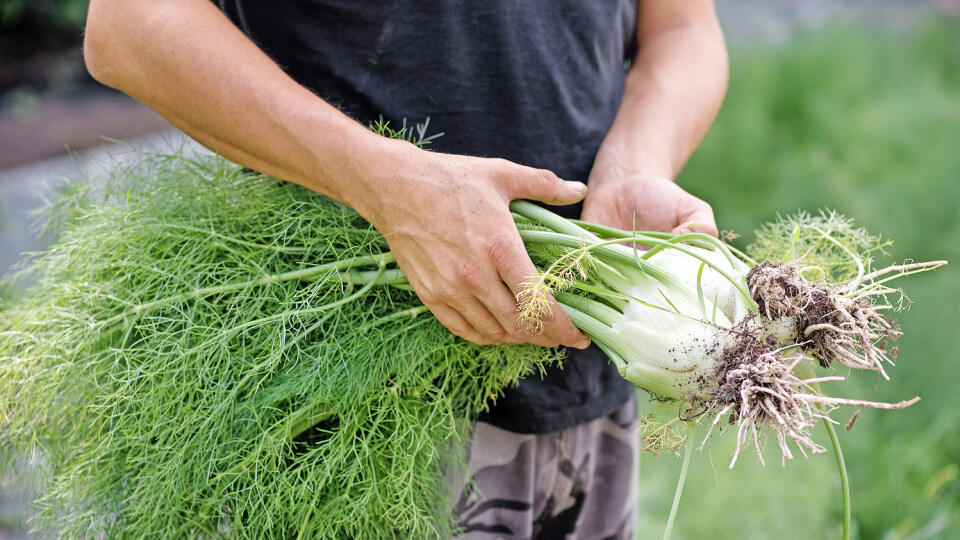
448, 224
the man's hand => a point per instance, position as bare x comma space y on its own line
658, 204
672, 93
447, 221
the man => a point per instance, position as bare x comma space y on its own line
610, 92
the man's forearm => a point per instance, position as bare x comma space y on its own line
186, 60
673, 92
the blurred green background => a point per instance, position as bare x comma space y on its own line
865, 121
861, 117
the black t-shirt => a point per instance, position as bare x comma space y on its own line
537, 82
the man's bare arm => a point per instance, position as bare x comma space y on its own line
673, 92
445, 216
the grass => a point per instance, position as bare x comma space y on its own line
866, 122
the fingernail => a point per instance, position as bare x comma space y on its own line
582, 344
579, 187
683, 230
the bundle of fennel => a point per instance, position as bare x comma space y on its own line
206, 351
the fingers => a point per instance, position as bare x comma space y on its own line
515, 269
457, 325
540, 185
503, 305
483, 321
479, 309
699, 218
600, 214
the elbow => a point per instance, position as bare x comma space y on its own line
97, 63
99, 45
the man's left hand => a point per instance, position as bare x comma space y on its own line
617, 194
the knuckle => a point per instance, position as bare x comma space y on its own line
429, 298
558, 340
465, 333
564, 332
496, 334
466, 275
445, 291
545, 179
501, 169
457, 330
500, 163
497, 249
511, 329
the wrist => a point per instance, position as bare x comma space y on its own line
379, 174
612, 173
615, 165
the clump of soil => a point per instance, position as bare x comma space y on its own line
757, 389
830, 326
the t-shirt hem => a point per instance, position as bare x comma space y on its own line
551, 422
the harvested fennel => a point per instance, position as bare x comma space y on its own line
688, 320
206, 351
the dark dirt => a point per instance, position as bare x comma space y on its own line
845, 328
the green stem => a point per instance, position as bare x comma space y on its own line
389, 277
225, 238
805, 370
697, 239
304, 274
677, 242
653, 379
601, 249
406, 313
551, 220
597, 310
613, 232
625, 257
742, 254
687, 454
603, 335
844, 480
619, 301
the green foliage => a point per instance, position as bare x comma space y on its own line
865, 121
193, 361
416, 134
828, 247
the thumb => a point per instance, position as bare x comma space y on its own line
700, 221
544, 186
701, 224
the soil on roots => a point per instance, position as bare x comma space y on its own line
830, 326
758, 389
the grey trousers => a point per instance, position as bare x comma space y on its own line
576, 484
